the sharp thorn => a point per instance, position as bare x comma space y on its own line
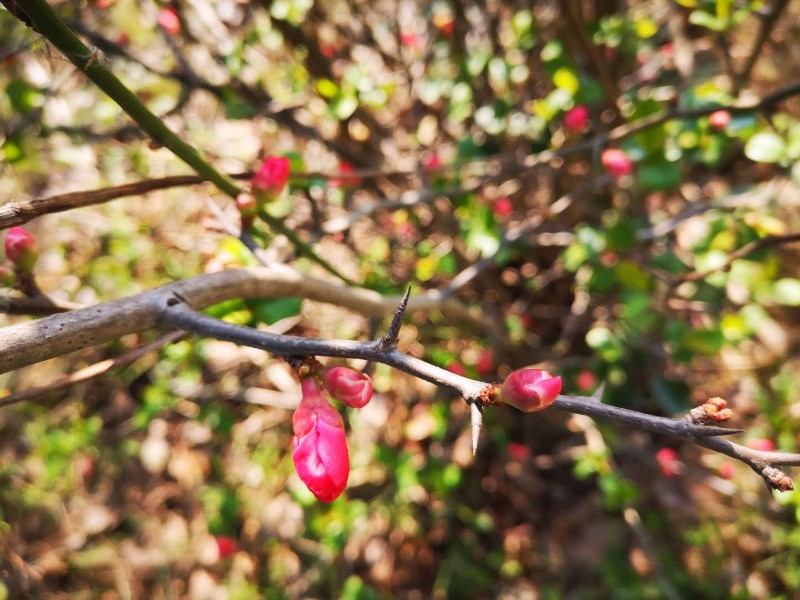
390, 339
477, 423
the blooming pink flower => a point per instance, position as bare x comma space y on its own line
348, 386
667, 459
576, 119
169, 20
719, 120
271, 177
226, 546
320, 449
21, 248
616, 162
502, 207
530, 389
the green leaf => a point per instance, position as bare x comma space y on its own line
272, 310
660, 174
704, 19
765, 147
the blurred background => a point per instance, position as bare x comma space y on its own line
428, 140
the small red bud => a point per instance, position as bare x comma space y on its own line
762, 444
485, 364
726, 470
502, 207
719, 120
586, 381
320, 448
169, 20
518, 452
348, 386
457, 368
667, 459
271, 178
21, 248
530, 389
576, 119
226, 546
616, 162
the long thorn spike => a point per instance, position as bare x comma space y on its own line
389, 340
477, 423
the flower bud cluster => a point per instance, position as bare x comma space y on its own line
320, 453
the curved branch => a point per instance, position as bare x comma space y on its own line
27, 343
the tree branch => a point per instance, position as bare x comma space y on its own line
30, 342
177, 314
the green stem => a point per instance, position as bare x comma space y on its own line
46, 22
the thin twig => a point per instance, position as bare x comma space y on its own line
93, 371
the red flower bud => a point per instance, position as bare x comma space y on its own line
762, 444
719, 120
169, 20
226, 546
586, 380
502, 207
320, 449
21, 248
616, 162
348, 386
576, 119
271, 177
667, 459
457, 368
485, 364
530, 389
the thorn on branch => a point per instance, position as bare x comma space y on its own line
476, 415
389, 341
777, 479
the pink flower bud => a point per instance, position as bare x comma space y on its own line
502, 207
226, 546
616, 162
586, 380
271, 177
320, 449
576, 119
457, 368
530, 389
169, 20
485, 364
348, 386
21, 248
719, 120
667, 459
762, 444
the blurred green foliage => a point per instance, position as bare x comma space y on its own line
667, 284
